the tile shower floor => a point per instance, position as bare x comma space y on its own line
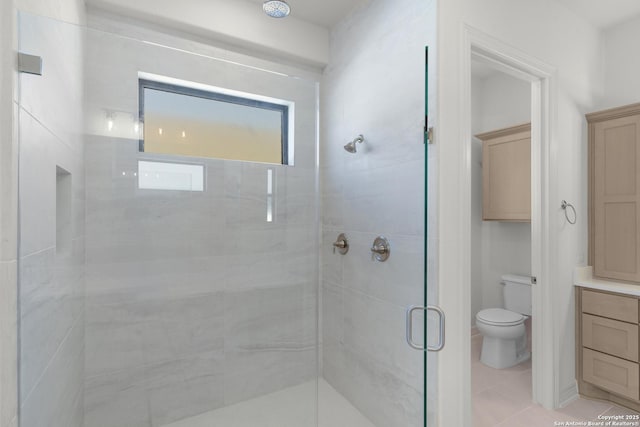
291, 407
502, 398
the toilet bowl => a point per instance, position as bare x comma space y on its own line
504, 342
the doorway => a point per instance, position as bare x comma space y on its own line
500, 285
525, 72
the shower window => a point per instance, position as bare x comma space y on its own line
187, 120
170, 176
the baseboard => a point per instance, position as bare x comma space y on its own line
568, 394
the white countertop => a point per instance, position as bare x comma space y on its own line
583, 277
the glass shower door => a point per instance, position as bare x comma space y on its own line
160, 289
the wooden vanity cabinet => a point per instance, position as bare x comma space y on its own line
506, 174
614, 193
607, 346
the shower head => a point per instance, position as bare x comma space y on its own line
276, 8
351, 146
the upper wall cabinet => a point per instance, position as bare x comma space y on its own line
506, 174
614, 193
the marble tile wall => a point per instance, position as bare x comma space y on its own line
194, 301
51, 290
374, 85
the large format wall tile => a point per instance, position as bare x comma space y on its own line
156, 394
399, 280
9, 337
117, 399
61, 46
57, 399
52, 241
51, 301
154, 301
380, 190
194, 299
270, 340
37, 186
374, 389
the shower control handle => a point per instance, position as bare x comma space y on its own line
381, 249
342, 244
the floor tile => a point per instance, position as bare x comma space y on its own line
491, 407
620, 410
585, 409
503, 398
535, 416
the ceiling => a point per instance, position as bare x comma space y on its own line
322, 12
601, 13
604, 13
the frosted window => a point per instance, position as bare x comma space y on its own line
170, 176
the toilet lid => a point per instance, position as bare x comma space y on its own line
500, 316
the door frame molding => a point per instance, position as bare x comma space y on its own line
546, 363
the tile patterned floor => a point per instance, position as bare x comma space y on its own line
502, 398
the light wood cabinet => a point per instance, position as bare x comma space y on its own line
506, 174
613, 306
613, 337
614, 193
607, 346
611, 373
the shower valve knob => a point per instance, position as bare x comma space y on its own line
342, 244
380, 250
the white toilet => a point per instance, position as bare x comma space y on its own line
504, 341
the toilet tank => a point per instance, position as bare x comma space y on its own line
517, 293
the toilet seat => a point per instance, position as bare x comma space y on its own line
500, 317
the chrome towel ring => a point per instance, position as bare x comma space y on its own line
566, 205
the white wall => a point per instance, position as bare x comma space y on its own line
71, 11
621, 64
374, 85
498, 101
539, 29
218, 21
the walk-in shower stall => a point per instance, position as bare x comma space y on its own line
164, 286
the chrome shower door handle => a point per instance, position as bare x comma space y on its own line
409, 332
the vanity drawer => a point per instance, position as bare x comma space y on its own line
611, 373
610, 336
612, 306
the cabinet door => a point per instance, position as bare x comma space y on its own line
506, 178
611, 373
613, 306
616, 196
612, 337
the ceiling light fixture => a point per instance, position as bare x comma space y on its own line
276, 8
